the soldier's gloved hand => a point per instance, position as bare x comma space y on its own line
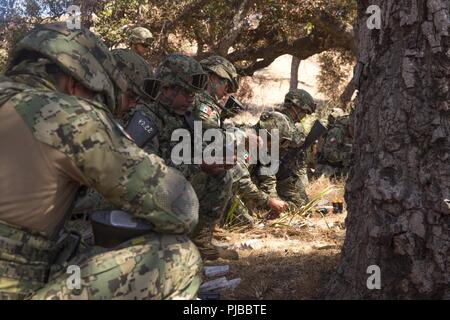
277, 206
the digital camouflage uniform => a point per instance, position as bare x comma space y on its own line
135, 70
207, 107
207, 187
287, 188
335, 148
245, 194
252, 186
291, 179
292, 188
62, 142
208, 110
178, 70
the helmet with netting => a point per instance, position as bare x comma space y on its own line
223, 69
135, 70
140, 35
183, 71
300, 100
78, 53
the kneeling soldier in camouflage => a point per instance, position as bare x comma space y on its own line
56, 135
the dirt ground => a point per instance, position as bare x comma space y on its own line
289, 260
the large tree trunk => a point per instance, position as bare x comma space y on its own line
399, 186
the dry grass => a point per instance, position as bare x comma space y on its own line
297, 252
293, 260
337, 192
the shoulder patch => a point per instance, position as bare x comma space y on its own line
141, 128
206, 109
246, 157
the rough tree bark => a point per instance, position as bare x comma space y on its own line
399, 186
295, 64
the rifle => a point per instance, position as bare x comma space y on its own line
317, 130
231, 108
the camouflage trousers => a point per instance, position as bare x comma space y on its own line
292, 189
148, 267
214, 193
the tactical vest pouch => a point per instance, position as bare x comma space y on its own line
69, 245
25, 260
113, 227
26, 245
141, 128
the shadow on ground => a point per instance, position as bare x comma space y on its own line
282, 276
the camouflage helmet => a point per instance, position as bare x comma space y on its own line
78, 53
180, 70
276, 120
301, 100
140, 35
135, 70
223, 69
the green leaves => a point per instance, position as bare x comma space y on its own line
261, 29
309, 27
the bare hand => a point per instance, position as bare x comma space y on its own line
277, 206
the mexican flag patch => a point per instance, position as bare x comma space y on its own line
206, 109
246, 157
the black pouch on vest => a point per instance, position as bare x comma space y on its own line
141, 129
113, 227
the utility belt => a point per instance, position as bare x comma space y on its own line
29, 257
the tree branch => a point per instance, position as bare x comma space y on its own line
238, 22
295, 64
327, 34
187, 11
